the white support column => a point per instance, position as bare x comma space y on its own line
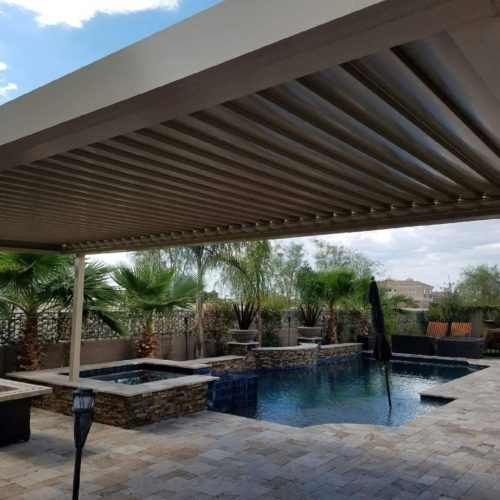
76, 318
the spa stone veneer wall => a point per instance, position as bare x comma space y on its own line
132, 411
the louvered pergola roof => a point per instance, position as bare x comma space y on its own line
252, 120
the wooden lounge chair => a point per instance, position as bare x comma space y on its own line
436, 329
461, 330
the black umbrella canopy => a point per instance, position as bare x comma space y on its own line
382, 350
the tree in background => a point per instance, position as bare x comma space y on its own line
286, 262
328, 257
27, 282
149, 289
450, 306
247, 272
175, 257
480, 286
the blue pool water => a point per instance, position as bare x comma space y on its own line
348, 392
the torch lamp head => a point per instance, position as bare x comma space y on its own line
83, 409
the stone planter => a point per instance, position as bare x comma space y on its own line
243, 335
309, 332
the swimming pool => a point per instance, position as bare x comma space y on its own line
349, 392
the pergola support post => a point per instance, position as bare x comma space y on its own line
76, 318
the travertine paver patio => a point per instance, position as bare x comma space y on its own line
453, 452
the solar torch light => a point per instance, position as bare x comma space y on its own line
186, 319
289, 318
83, 410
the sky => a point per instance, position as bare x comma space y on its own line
41, 40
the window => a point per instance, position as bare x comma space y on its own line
412, 290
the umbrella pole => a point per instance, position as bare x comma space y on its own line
387, 385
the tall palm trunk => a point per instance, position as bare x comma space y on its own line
30, 347
258, 319
332, 326
200, 338
146, 345
362, 326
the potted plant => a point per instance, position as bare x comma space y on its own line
245, 313
309, 315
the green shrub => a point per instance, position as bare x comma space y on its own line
218, 319
271, 325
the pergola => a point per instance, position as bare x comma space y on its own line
260, 119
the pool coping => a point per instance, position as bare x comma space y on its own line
53, 376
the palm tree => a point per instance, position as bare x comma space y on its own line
26, 284
203, 258
338, 285
359, 304
100, 298
247, 272
35, 284
199, 259
148, 290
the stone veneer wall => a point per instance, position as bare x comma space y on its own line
286, 357
240, 364
295, 357
332, 350
131, 411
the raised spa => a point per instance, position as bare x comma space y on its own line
135, 374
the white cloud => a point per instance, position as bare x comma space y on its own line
6, 88
75, 12
488, 246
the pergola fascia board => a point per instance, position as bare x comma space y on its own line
446, 212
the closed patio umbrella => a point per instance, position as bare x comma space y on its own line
382, 350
